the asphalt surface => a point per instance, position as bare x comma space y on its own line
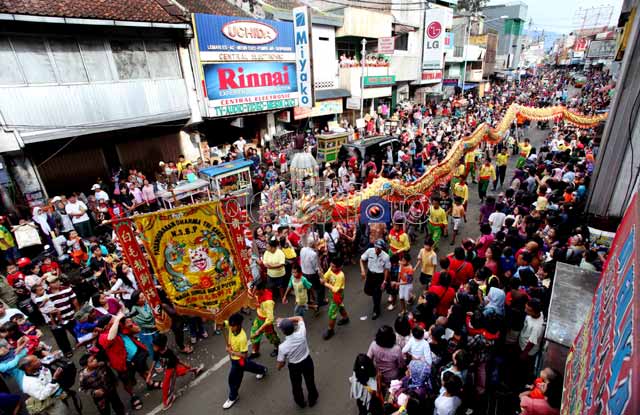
333, 358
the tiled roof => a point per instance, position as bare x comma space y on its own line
219, 7
162, 11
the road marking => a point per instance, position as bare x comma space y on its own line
194, 382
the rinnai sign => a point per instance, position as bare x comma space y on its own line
602, 373
433, 76
229, 39
234, 88
302, 33
434, 38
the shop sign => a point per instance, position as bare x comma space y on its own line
379, 81
602, 373
434, 38
433, 76
284, 116
448, 41
304, 74
601, 49
386, 45
228, 39
234, 88
328, 107
353, 103
450, 82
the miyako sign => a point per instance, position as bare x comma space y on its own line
230, 39
304, 73
434, 38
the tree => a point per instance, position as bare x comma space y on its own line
472, 6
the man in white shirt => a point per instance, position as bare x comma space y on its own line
531, 336
77, 210
496, 219
239, 143
295, 351
40, 384
332, 238
311, 271
374, 269
99, 193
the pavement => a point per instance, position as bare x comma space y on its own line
333, 359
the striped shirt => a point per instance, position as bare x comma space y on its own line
63, 301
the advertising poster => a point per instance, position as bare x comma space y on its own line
434, 38
229, 39
240, 87
199, 259
601, 373
304, 59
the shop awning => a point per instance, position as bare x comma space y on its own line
401, 28
470, 85
324, 94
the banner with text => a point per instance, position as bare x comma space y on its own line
304, 59
434, 38
241, 87
603, 367
327, 107
199, 260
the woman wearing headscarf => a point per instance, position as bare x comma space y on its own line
417, 380
495, 301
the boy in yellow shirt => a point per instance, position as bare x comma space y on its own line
437, 222
264, 322
487, 175
502, 159
470, 164
237, 349
333, 279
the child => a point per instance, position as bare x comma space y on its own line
392, 286
14, 274
405, 281
333, 279
99, 382
50, 266
539, 387
417, 348
48, 310
25, 326
237, 349
299, 284
458, 214
173, 368
263, 323
428, 259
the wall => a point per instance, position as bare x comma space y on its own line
50, 85
406, 65
325, 62
365, 23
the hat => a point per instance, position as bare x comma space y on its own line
56, 199
286, 326
95, 186
380, 244
49, 277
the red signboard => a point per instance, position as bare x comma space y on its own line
138, 263
602, 369
431, 75
581, 44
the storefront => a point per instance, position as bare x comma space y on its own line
377, 93
247, 76
429, 87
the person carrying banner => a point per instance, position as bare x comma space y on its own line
264, 322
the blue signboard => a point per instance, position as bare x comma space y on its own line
228, 38
239, 87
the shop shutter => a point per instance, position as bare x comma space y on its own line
145, 153
72, 170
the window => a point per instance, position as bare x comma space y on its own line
34, 59
130, 59
9, 68
163, 59
402, 41
68, 60
96, 59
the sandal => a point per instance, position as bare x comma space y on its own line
136, 403
154, 385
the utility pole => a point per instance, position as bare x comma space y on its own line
467, 30
363, 60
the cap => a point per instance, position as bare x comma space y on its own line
56, 199
286, 325
380, 244
95, 186
49, 277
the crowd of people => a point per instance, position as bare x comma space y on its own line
469, 325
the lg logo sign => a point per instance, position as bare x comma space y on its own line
434, 30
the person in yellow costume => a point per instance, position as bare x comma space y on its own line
486, 175
461, 190
263, 324
524, 150
502, 159
458, 174
437, 222
470, 164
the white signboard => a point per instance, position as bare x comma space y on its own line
434, 38
304, 73
353, 103
386, 45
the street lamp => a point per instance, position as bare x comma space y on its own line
363, 59
467, 33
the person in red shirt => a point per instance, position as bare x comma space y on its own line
445, 293
460, 269
48, 265
14, 274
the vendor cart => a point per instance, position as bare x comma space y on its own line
231, 179
329, 146
184, 190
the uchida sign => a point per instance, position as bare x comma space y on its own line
302, 33
602, 369
228, 39
234, 88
